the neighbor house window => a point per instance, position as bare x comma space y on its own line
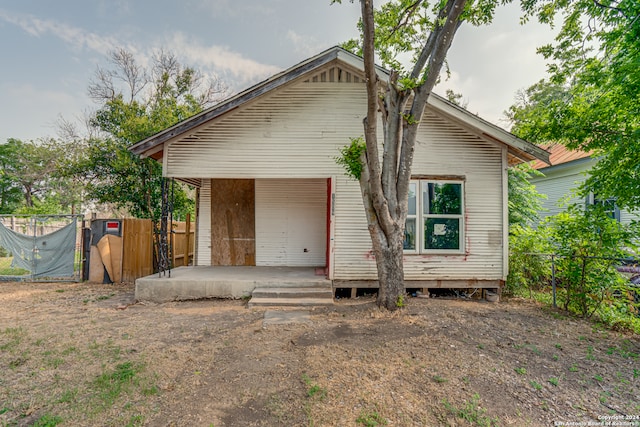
435, 217
609, 205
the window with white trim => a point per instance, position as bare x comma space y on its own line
435, 217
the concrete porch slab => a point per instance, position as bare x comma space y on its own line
188, 283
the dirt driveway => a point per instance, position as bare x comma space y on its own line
77, 354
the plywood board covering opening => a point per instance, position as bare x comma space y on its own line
233, 236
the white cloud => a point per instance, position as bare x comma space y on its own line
220, 59
305, 45
77, 38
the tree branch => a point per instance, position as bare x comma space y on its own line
374, 181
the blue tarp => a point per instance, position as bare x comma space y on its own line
51, 255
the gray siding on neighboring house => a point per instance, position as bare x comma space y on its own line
559, 184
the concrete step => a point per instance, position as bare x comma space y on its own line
295, 283
289, 302
291, 296
315, 292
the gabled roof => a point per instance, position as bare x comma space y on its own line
519, 149
560, 155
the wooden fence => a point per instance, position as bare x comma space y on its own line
137, 247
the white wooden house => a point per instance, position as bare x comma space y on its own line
561, 179
271, 194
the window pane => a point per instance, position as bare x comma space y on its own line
443, 199
410, 234
442, 233
412, 199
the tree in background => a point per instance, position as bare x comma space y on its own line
525, 203
591, 101
424, 31
31, 180
135, 103
10, 191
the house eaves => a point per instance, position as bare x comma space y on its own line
147, 146
518, 148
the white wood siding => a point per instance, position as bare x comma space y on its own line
626, 217
291, 218
295, 132
442, 149
204, 224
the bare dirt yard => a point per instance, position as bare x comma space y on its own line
85, 355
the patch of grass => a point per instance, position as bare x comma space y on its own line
472, 413
151, 391
604, 397
371, 419
54, 362
109, 385
590, 355
68, 396
314, 389
553, 381
10, 271
136, 420
59, 291
573, 368
438, 379
104, 297
556, 357
598, 378
521, 371
67, 351
536, 385
24, 358
47, 420
559, 346
14, 338
636, 373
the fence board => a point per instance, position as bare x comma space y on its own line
137, 259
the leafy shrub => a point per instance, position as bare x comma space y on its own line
529, 264
589, 245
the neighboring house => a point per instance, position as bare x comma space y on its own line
270, 192
568, 171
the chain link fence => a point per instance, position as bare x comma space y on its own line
40, 247
579, 283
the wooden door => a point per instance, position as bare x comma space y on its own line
233, 235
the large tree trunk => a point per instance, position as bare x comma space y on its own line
389, 262
384, 180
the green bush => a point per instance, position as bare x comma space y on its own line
529, 262
589, 245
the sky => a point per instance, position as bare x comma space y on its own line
50, 50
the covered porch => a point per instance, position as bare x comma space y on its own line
266, 283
